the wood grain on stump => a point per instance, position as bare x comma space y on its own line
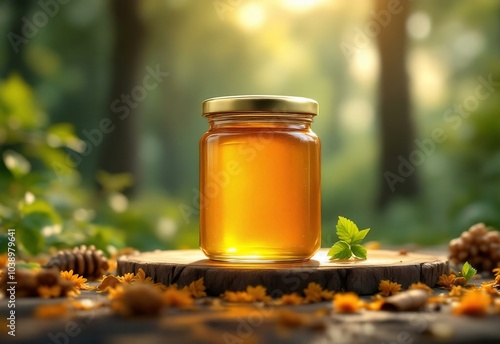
360, 276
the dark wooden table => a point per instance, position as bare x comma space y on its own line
208, 323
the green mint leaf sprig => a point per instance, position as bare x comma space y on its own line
468, 271
350, 241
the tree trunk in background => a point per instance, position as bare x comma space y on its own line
15, 43
119, 153
396, 127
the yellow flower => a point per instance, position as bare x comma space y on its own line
197, 288
496, 271
420, 285
291, 299
116, 292
388, 288
79, 281
237, 296
47, 292
50, 311
140, 277
347, 303
127, 278
474, 303
174, 297
258, 293
313, 292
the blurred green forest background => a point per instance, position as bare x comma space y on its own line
100, 112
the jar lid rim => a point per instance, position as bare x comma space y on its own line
259, 104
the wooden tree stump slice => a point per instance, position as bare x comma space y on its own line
360, 276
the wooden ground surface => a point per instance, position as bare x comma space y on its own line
247, 324
360, 276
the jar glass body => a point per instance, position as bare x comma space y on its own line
260, 197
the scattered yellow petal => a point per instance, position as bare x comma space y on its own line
109, 282
197, 288
489, 287
374, 305
258, 293
237, 296
50, 311
347, 303
140, 276
291, 299
313, 292
474, 303
420, 285
388, 288
46, 292
174, 297
457, 291
438, 299
327, 295
127, 278
115, 293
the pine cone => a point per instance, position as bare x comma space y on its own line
84, 261
480, 246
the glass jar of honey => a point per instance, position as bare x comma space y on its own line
260, 197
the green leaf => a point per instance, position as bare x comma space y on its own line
340, 250
359, 251
360, 235
468, 271
346, 230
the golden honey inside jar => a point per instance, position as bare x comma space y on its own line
260, 197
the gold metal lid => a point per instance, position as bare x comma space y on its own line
259, 104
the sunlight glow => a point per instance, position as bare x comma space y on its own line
300, 5
364, 65
251, 16
428, 78
356, 115
418, 25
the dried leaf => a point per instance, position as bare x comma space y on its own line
108, 282
388, 288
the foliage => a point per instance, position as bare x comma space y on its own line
468, 271
44, 199
350, 240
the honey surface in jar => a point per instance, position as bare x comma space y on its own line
260, 194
